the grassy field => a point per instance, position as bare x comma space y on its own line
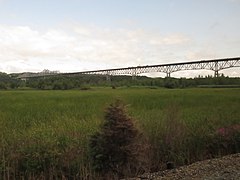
46, 133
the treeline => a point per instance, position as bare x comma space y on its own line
8, 82
86, 81
200, 81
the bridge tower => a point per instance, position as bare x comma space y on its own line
216, 69
168, 74
134, 74
108, 76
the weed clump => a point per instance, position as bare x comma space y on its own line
117, 149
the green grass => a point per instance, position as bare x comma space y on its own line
42, 131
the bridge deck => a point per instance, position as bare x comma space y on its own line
215, 65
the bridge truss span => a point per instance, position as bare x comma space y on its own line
215, 65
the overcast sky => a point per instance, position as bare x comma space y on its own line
79, 35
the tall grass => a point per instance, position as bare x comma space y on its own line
45, 134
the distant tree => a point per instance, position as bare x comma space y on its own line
64, 83
171, 83
3, 85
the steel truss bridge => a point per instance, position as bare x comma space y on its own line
215, 65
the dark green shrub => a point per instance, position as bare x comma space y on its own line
225, 140
3, 85
117, 149
170, 83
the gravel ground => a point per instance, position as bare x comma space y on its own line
225, 168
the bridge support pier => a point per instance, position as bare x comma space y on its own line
134, 74
24, 79
168, 74
134, 77
216, 69
108, 78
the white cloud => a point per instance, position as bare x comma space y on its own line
85, 45
79, 48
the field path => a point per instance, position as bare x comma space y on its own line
225, 168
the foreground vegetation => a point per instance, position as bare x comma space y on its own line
47, 133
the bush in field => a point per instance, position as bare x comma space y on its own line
225, 140
116, 148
